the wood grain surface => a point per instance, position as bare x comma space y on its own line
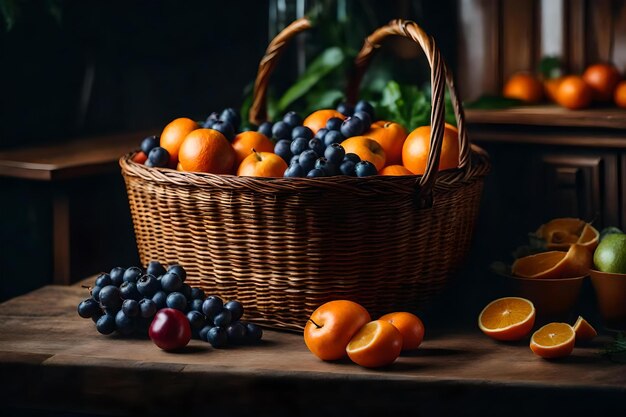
52, 359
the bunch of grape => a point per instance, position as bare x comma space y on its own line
156, 155
227, 123
126, 300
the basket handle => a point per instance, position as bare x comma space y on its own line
439, 71
258, 108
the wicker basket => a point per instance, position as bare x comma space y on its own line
283, 246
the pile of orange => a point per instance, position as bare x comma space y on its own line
341, 327
600, 83
513, 318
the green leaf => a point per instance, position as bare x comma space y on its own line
10, 11
616, 350
550, 67
326, 62
493, 103
323, 99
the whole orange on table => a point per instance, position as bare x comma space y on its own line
331, 327
620, 94
417, 146
523, 86
602, 79
573, 93
367, 149
376, 344
245, 142
317, 120
206, 150
410, 327
262, 164
174, 134
391, 137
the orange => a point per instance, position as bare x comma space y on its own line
525, 87
376, 344
246, 141
554, 340
262, 164
395, 170
331, 327
317, 120
206, 150
561, 233
584, 331
417, 145
620, 95
507, 319
174, 134
576, 262
573, 93
391, 137
550, 87
410, 327
367, 149
602, 78
140, 157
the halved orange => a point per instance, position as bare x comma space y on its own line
584, 331
561, 233
576, 262
554, 340
376, 344
507, 319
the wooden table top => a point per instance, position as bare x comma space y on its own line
79, 157
56, 360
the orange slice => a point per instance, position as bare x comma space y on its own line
507, 319
377, 344
560, 234
575, 262
554, 340
584, 331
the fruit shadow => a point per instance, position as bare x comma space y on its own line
190, 349
433, 352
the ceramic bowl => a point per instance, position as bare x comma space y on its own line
553, 298
611, 294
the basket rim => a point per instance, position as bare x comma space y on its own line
378, 184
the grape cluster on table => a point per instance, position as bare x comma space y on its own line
321, 155
126, 301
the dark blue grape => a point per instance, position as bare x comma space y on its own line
294, 159
266, 129
366, 107
178, 270
171, 282
196, 305
365, 118
159, 157
110, 297
299, 145
301, 132
185, 289
365, 169
217, 337
95, 293
223, 318
177, 301
236, 308
352, 157
231, 116
202, 334
225, 128
321, 133
334, 154
281, 130
88, 308
130, 308
307, 160
117, 275
334, 123
352, 126
160, 299
314, 173
132, 274
236, 333
326, 166
317, 146
197, 293
125, 325
283, 149
212, 306
196, 320
149, 143
106, 324
128, 291
333, 136
345, 109
103, 280
292, 119
254, 333
210, 120
147, 308
97, 315
155, 268
148, 285
294, 171
347, 167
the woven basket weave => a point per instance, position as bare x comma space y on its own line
283, 246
